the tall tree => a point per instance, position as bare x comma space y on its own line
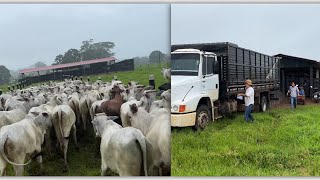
58, 59
156, 56
39, 64
90, 50
72, 55
4, 74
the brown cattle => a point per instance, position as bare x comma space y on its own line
112, 107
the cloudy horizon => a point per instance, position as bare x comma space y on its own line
38, 32
291, 29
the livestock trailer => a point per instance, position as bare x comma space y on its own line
232, 66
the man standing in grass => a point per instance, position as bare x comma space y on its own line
248, 100
294, 91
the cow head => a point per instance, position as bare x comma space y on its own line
133, 108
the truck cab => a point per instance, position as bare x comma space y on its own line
195, 87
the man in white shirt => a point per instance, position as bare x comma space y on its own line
294, 92
248, 100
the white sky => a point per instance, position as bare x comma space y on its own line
38, 32
270, 29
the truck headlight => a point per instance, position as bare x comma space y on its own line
175, 108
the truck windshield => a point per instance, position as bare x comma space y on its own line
185, 64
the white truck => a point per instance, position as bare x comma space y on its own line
206, 78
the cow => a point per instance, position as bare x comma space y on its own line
19, 111
157, 129
112, 107
125, 151
64, 120
3, 98
124, 110
21, 139
85, 104
166, 73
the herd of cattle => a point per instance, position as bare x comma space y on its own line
132, 125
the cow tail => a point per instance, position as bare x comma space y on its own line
3, 140
60, 122
88, 101
142, 142
92, 111
77, 107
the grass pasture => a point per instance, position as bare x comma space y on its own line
84, 162
279, 143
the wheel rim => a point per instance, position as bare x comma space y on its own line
203, 119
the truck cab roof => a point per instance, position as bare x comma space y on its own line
190, 50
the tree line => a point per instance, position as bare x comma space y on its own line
89, 50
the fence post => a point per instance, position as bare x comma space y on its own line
88, 78
151, 81
0, 91
9, 88
115, 78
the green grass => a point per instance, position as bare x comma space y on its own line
4, 87
279, 143
84, 162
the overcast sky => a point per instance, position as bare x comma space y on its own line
30, 33
269, 29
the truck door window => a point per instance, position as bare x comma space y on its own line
207, 65
204, 65
210, 65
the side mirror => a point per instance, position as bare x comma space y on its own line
216, 67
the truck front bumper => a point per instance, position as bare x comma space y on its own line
183, 120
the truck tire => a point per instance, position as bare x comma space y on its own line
263, 104
202, 117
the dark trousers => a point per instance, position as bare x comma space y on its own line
247, 113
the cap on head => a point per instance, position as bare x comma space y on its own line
249, 82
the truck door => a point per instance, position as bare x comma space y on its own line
210, 77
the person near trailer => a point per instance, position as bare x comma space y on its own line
294, 92
248, 100
301, 91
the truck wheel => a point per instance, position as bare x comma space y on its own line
263, 104
202, 117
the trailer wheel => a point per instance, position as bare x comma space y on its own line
202, 117
263, 104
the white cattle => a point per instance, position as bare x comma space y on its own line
19, 111
64, 120
166, 73
21, 139
74, 101
125, 151
3, 99
124, 110
157, 129
85, 104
